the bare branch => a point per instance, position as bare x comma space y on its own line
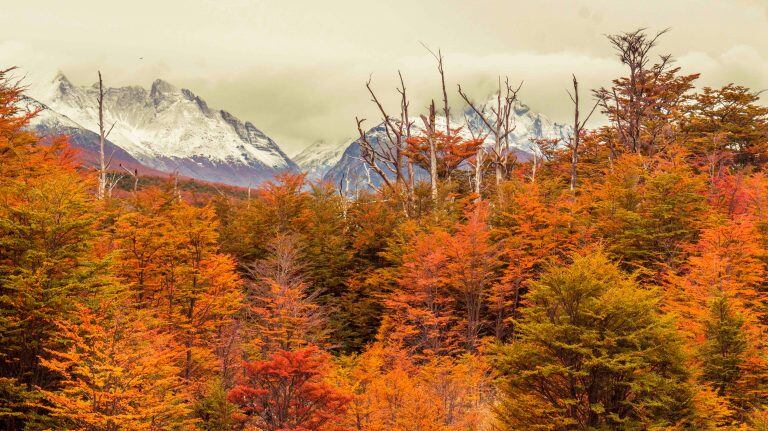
498, 123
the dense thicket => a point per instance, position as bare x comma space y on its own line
614, 281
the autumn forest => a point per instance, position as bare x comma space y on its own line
616, 280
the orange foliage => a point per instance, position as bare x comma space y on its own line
281, 310
421, 308
535, 230
721, 311
170, 260
391, 392
724, 262
450, 150
117, 375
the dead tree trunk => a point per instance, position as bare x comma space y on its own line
499, 124
479, 136
405, 118
578, 126
104, 163
386, 157
441, 69
135, 175
479, 172
576, 134
429, 126
102, 137
432, 127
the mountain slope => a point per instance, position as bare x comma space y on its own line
168, 129
49, 122
353, 173
319, 157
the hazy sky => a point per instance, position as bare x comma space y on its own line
296, 69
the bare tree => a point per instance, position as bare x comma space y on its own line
135, 175
478, 135
376, 154
631, 100
429, 127
499, 123
174, 181
281, 307
405, 118
441, 70
545, 150
386, 157
105, 185
578, 126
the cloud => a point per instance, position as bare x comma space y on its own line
297, 69
740, 64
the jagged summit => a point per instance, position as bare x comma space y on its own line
160, 86
61, 79
527, 123
170, 129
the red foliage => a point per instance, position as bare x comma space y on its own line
289, 392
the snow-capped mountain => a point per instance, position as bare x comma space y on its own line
353, 173
165, 128
319, 157
528, 125
49, 122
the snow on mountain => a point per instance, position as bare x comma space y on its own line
353, 173
319, 157
49, 122
528, 125
168, 129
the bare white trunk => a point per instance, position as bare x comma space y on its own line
102, 137
498, 162
576, 132
433, 168
479, 173
578, 126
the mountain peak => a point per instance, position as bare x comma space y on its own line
492, 101
61, 83
60, 77
162, 87
521, 108
317, 158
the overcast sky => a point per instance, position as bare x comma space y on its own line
297, 69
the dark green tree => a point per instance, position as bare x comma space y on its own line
725, 346
593, 353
